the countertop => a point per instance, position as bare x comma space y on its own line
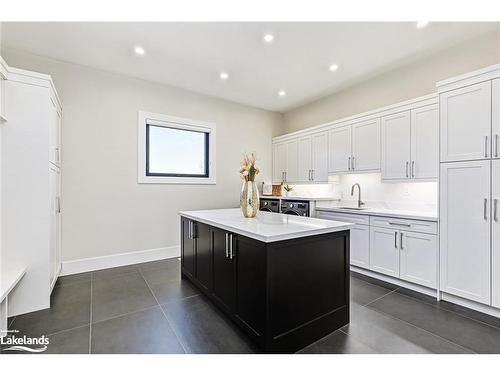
266, 226
299, 198
386, 212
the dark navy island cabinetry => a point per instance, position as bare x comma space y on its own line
285, 294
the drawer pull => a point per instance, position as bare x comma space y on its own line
401, 224
396, 240
401, 240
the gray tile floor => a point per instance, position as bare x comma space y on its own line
146, 308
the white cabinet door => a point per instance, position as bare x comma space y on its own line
279, 162
54, 225
384, 251
366, 146
320, 157
339, 150
495, 235
304, 162
465, 229
396, 146
425, 142
495, 121
418, 258
292, 161
360, 246
465, 123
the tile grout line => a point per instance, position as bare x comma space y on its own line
450, 311
91, 307
164, 314
376, 299
67, 330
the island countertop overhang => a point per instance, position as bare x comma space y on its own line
266, 226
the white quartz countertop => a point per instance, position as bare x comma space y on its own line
266, 226
299, 198
386, 212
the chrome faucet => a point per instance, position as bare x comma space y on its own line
360, 202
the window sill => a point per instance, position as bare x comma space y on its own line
176, 180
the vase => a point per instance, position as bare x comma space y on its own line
249, 199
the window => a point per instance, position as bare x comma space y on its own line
175, 150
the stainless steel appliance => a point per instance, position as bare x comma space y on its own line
294, 207
271, 205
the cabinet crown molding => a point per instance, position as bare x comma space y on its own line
470, 78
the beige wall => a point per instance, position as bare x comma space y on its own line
416, 79
105, 210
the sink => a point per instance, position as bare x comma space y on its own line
352, 208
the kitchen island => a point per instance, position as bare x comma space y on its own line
284, 280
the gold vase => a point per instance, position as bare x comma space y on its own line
249, 199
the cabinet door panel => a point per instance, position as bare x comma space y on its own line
203, 255
360, 246
304, 160
366, 145
465, 229
424, 142
495, 246
187, 248
279, 161
465, 122
320, 157
292, 161
223, 287
384, 252
396, 146
418, 262
495, 121
53, 236
339, 150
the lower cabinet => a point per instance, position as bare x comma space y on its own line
360, 246
384, 252
495, 231
418, 258
187, 246
224, 290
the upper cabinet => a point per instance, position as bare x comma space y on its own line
465, 116
339, 150
279, 162
495, 120
366, 146
319, 168
410, 144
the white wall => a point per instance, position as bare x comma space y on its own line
105, 210
410, 81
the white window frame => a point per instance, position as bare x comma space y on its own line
177, 123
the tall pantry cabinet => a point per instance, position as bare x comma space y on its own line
470, 187
31, 186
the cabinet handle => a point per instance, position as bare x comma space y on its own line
349, 163
396, 240
285, 176
57, 154
312, 174
58, 199
189, 229
407, 169
495, 209
485, 208
227, 245
402, 224
496, 145
401, 240
352, 162
486, 146
413, 168
231, 246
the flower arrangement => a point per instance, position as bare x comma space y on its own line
248, 170
288, 188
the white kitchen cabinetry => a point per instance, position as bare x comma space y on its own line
339, 150
292, 160
304, 160
465, 117
396, 137
279, 162
495, 235
31, 188
366, 146
495, 118
425, 143
418, 258
384, 252
465, 229
319, 169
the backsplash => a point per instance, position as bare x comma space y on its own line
375, 193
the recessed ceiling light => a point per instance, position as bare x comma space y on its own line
139, 51
334, 67
422, 24
224, 76
268, 38
282, 93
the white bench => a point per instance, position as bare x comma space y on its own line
10, 278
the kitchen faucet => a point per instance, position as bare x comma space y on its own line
360, 202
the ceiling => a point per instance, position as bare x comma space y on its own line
192, 55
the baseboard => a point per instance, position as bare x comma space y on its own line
116, 260
485, 309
